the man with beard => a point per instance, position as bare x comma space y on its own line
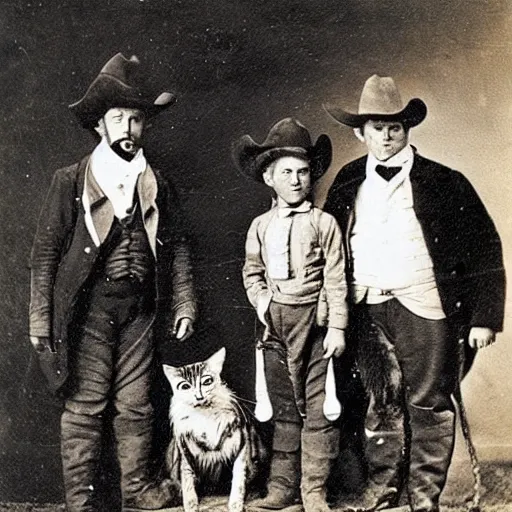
110, 254
425, 269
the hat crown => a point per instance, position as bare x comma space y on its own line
380, 96
119, 84
120, 67
288, 133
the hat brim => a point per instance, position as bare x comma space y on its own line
252, 158
108, 92
412, 115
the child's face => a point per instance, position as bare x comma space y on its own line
290, 177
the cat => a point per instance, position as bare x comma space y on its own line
210, 431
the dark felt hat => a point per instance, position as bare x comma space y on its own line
288, 137
116, 87
380, 100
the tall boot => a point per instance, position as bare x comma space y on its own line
384, 454
319, 452
138, 491
284, 482
80, 452
432, 441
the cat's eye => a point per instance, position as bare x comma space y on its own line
207, 381
184, 385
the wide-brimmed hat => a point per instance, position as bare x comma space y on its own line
118, 86
380, 100
287, 137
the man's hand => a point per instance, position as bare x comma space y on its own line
481, 337
40, 343
334, 342
183, 329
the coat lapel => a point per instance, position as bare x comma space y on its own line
147, 189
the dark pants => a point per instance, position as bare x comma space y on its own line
409, 367
295, 371
111, 363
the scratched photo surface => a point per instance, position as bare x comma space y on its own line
237, 67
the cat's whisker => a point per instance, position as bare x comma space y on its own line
238, 397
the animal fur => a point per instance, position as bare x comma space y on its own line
210, 432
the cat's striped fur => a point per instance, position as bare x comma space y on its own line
210, 432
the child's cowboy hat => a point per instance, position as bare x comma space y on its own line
114, 87
288, 137
380, 100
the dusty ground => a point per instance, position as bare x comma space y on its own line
496, 495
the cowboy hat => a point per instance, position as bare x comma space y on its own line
112, 89
380, 100
287, 137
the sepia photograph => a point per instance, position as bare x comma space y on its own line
255, 256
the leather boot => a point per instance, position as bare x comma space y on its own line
81, 452
384, 455
319, 452
431, 452
284, 482
139, 493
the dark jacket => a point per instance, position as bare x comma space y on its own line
461, 238
64, 255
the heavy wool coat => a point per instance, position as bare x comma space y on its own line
460, 236
64, 256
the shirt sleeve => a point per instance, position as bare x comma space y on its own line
254, 276
335, 284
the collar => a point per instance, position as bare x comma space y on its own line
403, 159
110, 170
99, 212
286, 211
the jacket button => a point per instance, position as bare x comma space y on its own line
458, 304
436, 239
87, 250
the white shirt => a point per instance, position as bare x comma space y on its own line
115, 176
390, 255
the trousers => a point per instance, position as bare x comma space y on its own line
409, 367
295, 371
111, 364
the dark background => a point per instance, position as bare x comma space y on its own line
237, 66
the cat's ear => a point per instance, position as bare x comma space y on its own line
216, 361
170, 372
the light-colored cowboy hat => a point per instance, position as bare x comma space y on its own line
287, 137
115, 87
380, 100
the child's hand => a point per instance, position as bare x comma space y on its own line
334, 342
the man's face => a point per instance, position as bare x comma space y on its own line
123, 128
384, 139
290, 177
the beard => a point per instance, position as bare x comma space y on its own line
125, 148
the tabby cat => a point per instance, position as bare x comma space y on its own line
210, 432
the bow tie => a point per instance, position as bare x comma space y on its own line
387, 172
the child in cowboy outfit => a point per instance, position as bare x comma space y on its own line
294, 278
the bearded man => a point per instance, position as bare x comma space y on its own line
110, 254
